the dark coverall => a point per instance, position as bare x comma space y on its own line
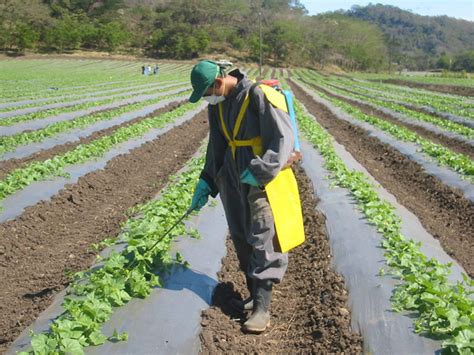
247, 209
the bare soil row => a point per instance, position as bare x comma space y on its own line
309, 308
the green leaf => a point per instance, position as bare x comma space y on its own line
72, 347
179, 257
38, 343
463, 342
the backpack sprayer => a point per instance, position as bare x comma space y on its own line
275, 84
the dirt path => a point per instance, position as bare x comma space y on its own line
309, 308
447, 89
53, 237
442, 210
451, 143
9, 165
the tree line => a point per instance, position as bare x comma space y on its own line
421, 42
187, 29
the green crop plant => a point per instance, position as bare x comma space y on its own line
65, 89
132, 273
412, 114
440, 103
433, 79
443, 310
412, 100
21, 82
48, 78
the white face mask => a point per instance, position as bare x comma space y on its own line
214, 99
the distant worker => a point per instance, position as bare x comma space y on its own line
149, 70
143, 70
155, 69
250, 143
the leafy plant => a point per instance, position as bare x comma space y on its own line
68, 98
456, 105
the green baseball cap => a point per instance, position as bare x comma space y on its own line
203, 76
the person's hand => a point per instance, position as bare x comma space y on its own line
201, 195
247, 178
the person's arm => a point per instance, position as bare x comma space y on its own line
277, 139
216, 148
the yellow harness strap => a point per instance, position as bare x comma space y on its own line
276, 98
255, 143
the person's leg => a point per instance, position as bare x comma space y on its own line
235, 212
237, 215
266, 265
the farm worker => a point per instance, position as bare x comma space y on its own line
239, 173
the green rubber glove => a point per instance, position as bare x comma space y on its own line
247, 178
201, 195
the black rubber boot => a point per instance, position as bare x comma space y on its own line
260, 318
246, 304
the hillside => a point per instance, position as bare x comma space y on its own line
418, 40
364, 38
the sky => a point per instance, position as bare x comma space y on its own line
463, 9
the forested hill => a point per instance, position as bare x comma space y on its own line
364, 38
417, 39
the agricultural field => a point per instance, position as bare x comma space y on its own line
463, 86
98, 163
